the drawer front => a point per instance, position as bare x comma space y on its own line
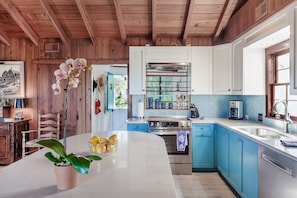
138, 127
202, 130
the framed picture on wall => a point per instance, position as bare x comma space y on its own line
12, 82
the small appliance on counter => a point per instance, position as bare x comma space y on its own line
236, 109
194, 111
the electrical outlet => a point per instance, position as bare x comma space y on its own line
260, 117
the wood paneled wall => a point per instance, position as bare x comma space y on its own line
39, 65
245, 20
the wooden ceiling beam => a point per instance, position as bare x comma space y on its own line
188, 20
120, 20
86, 20
19, 19
154, 19
4, 38
225, 16
50, 13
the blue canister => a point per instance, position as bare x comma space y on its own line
163, 105
157, 104
150, 102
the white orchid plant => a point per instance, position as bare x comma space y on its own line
70, 71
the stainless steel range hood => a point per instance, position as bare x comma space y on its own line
167, 68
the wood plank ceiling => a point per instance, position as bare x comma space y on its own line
115, 19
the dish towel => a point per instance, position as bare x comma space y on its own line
289, 143
181, 140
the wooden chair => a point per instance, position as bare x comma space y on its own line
48, 127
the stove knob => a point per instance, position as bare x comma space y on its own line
182, 124
189, 124
157, 124
151, 124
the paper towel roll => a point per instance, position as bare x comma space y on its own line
140, 110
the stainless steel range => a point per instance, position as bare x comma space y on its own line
170, 128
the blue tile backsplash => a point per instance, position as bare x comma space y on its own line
212, 106
218, 106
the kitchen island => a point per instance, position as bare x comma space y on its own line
139, 168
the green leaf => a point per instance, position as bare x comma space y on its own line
93, 157
52, 158
55, 145
80, 164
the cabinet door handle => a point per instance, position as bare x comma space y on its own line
236, 89
277, 165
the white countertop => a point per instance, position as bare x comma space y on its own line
139, 168
271, 143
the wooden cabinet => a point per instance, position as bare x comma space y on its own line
11, 140
168, 54
201, 70
137, 70
142, 127
222, 69
203, 146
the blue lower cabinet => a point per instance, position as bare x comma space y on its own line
235, 161
222, 150
249, 169
203, 146
141, 127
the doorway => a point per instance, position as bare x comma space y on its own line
109, 97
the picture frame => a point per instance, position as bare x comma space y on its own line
12, 80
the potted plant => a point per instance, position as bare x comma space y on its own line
69, 165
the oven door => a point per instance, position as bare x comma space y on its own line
174, 155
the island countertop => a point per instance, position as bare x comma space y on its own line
139, 168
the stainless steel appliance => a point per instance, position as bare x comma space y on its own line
236, 109
167, 128
277, 174
194, 111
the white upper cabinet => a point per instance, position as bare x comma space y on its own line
293, 52
254, 71
237, 69
222, 69
201, 70
168, 54
137, 70
248, 71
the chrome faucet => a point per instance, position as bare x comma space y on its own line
287, 119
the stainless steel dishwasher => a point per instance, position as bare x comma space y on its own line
277, 174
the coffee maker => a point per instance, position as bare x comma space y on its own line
236, 109
194, 111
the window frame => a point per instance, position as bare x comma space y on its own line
271, 75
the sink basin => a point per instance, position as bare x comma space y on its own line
264, 132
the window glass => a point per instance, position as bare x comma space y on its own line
283, 69
279, 93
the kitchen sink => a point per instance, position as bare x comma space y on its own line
264, 132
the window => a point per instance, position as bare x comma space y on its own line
278, 81
117, 91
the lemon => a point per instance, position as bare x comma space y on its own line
94, 139
110, 148
93, 148
113, 138
100, 148
103, 141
